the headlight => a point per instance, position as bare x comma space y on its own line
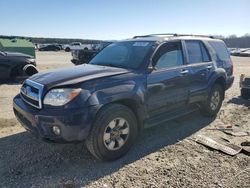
59, 97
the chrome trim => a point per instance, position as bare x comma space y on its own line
29, 102
28, 93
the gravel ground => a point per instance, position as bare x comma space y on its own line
163, 156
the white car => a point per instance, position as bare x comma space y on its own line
77, 46
245, 53
238, 51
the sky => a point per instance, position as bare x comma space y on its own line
120, 19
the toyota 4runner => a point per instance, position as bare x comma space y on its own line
129, 85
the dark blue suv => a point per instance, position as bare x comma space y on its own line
129, 85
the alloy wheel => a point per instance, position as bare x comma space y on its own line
116, 134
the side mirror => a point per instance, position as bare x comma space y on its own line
151, 68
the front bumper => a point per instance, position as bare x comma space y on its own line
74, 124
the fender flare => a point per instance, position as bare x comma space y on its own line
219, 76
30, 69
132, 97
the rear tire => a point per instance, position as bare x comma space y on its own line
245, 93
67, 49
214, 101
113, 133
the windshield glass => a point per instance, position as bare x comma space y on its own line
123, 54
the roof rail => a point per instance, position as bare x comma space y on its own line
209, 36
172, 34
155, 35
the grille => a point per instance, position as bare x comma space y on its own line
31, 93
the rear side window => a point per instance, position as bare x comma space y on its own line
221, 50
197, 52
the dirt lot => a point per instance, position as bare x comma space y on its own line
163, 156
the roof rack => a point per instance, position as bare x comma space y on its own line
209, 36
154, 35
172, 34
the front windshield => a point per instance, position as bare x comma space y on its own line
123, 54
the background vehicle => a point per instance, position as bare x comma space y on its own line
238, 51
245, 86
129, 85
77, 46
245, 53
84, 56
15, 65
50, 47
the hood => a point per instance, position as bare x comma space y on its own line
75, 75
17, 54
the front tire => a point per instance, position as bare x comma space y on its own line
214, 101
113, 133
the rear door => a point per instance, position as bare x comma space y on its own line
167, 85
201, 68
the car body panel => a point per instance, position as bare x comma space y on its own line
75, 75
167, 89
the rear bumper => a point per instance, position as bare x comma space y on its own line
229, 82
74, 124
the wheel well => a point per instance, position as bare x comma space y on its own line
132, 105
222, 82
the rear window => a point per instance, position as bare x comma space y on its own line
221, 50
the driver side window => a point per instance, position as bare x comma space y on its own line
169, 55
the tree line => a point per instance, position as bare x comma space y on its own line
41, 40
238, 42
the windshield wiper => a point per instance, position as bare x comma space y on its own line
112, 65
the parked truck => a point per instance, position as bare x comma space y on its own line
83, 56
77, 46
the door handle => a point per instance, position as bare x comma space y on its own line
184, 72
209, 67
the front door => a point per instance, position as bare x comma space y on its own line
167, 85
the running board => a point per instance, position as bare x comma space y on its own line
164, 117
